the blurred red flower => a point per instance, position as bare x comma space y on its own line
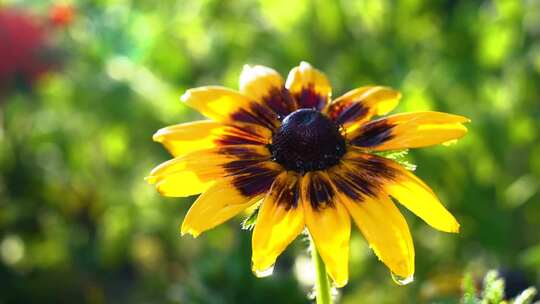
26, 52
61, 14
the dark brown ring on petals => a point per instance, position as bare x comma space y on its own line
241, 135
290, 194
255, 179
250, 171
309, 98
363, 176
352, 112
373, 133
319, 192
257, 113
280, 101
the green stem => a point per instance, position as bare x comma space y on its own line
322, 284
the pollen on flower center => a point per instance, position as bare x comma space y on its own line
307, 141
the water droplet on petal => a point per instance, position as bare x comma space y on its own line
334, 291
264, 273
312, 295
334, 286
402, 280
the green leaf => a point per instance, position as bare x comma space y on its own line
249, 222
493, 288
469, 291
399, 157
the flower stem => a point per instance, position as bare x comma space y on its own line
322, 284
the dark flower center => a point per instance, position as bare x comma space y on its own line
307, 141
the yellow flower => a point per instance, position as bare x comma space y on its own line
307, 161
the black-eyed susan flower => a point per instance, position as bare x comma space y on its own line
308, 161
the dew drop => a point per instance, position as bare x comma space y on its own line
402, 280
264, 273
312, 295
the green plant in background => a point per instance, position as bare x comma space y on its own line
493, 291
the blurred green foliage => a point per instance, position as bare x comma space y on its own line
493, 291
77, 220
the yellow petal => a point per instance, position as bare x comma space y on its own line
330, 228
360, 105
278, 223
199, 135
193, 173
410, 130
380, 176
216, 205
187, 175
309, 86
265, 85
215, 102
258, 81
386, 231
416, 196
222, 104
182, 184
188, 137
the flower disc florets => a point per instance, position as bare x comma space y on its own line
307, 141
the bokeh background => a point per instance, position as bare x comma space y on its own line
84, 84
